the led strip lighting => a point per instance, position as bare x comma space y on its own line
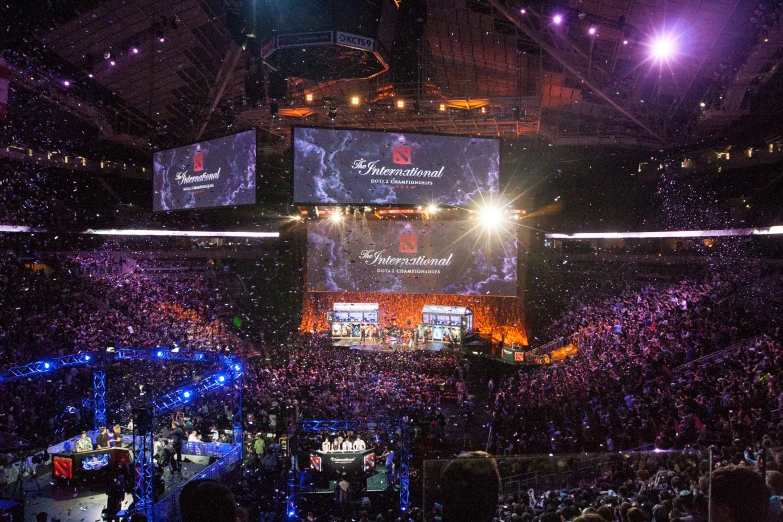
148, 233
672, 233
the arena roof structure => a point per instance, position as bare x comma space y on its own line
649, 73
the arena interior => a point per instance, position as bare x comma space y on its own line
391, 260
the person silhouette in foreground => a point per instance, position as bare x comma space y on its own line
471, 485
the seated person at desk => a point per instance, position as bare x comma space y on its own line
102, 440
347, 445
326, 445
359, 444
84, 443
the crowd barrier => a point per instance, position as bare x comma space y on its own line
719, 355
543, 473
167, 510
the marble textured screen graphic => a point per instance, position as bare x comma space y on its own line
415, 257
214, 173
337, 166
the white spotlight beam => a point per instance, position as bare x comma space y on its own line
12, 229
145, 232
179, 233
672, 234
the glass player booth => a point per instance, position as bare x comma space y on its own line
444, 323
346, 319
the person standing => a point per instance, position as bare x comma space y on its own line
116, 495
178, 436
259, 446
102, 440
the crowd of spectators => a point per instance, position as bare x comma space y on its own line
629, 388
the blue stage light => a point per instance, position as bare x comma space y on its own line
237, 367
86, 357
186, 394
47, 365
222, 379
160, 354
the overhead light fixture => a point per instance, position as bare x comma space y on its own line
308, 97
557, 19
442, 107
354, 100
591, 31
663, 48
400, 104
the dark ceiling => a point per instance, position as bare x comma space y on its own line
157, 73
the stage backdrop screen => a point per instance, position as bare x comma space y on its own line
369, 167
414, 257
213, 173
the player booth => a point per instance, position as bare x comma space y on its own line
445, 323
347, 319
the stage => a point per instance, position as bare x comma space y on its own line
84, 502
353, 344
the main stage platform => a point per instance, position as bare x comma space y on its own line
353, 344
84, 502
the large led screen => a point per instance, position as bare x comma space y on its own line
334, 166
213, 173
414, 257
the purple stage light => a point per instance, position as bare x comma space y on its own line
591, 30
135, 50
557, 19
523, 10
66, 83
662, 48
112, 63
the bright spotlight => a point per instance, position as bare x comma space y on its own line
557, 19
186, 395
86, 357
662, 48
591, 31
336, 217
400, 104
354, 100
159, 354
432, 208
47, 365
237, 367
221, 379
490, 216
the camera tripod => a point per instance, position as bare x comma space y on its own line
25, 467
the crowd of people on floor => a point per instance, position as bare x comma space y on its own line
625, 389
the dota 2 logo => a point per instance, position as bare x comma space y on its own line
401, 155
409, 243
198, 163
